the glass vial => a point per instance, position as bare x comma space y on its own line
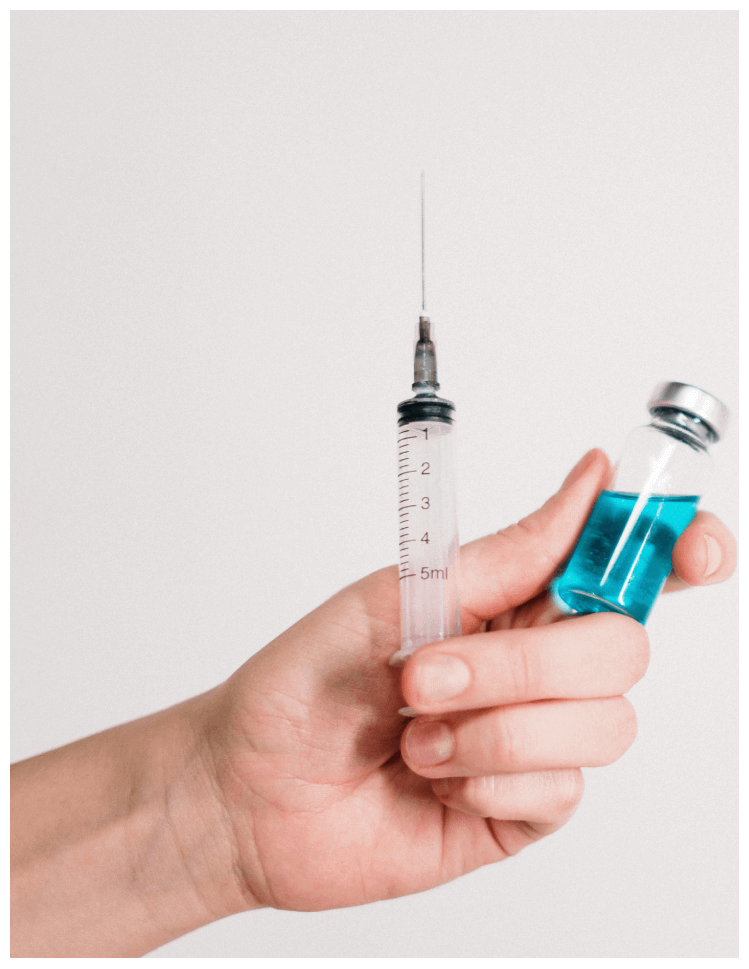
623, 555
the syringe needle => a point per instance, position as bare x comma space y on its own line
425, 357
427, 529
423, 275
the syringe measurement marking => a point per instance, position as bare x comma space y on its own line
404, 456
424, 504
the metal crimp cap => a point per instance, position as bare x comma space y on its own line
691, 400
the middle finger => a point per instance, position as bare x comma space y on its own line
587, 656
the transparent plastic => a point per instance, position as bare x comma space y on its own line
429, 552
623, 555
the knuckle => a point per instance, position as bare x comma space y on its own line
511, 745
480, 794
631, 647
528, 532
624, 722
570, 786
639, 653
471, 795
525, 671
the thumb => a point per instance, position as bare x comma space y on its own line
505, 570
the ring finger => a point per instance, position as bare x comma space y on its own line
521, 737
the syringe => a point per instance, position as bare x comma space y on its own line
428, 533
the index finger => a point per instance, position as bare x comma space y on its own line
587, 657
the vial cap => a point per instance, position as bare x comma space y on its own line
691, 400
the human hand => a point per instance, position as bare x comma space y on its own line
295, 785
330, 803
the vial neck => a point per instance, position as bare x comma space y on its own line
684, 427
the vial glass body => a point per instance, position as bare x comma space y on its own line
623, 555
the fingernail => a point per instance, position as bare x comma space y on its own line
714, 556
408, 712
428, 743
440, 678
579, 470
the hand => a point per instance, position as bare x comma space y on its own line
295, 785
332, 804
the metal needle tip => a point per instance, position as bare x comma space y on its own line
423, 273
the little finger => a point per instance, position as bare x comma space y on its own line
542, 797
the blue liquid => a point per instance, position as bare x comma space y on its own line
606, 574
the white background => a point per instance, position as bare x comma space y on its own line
216, 278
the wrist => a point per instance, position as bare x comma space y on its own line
120, 841
180, 838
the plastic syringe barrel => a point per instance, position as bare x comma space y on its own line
429, 551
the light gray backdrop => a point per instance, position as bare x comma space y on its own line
216, 278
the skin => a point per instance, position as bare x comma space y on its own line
297, 783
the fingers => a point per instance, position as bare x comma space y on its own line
519, 808
601, 655
503, 570
704, 554
548, 734
499, 572
547, 798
